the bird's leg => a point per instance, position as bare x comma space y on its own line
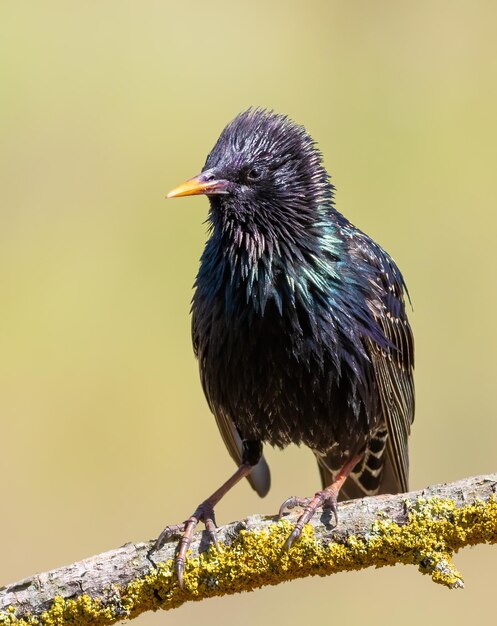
327, 498
203, 513
252, 452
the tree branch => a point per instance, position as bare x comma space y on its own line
423, 528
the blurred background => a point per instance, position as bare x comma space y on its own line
105, 433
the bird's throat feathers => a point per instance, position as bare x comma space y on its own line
249, 263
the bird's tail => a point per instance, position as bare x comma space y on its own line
374, 475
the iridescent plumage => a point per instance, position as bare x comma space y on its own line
299, 321
298, 317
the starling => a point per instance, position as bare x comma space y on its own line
298, 324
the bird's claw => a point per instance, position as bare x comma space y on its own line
204, 513
169, 531
327, 499
290, 503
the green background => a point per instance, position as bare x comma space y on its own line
105, 106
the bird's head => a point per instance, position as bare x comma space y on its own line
265, 171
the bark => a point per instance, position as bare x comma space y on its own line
424, 528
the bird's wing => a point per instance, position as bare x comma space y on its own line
393, 366
260, 477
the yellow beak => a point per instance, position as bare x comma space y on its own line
202, 184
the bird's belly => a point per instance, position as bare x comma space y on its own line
276, 392
297, 408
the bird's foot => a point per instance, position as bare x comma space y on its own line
203, 513
326, 499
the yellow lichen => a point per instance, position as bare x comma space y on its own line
435, 530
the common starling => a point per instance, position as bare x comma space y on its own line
298, 324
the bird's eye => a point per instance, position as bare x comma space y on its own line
254, 173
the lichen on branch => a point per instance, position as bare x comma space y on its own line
423, 528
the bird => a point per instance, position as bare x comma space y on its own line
299, 325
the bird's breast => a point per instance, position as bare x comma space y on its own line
280, 378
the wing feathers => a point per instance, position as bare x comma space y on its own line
393, 367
